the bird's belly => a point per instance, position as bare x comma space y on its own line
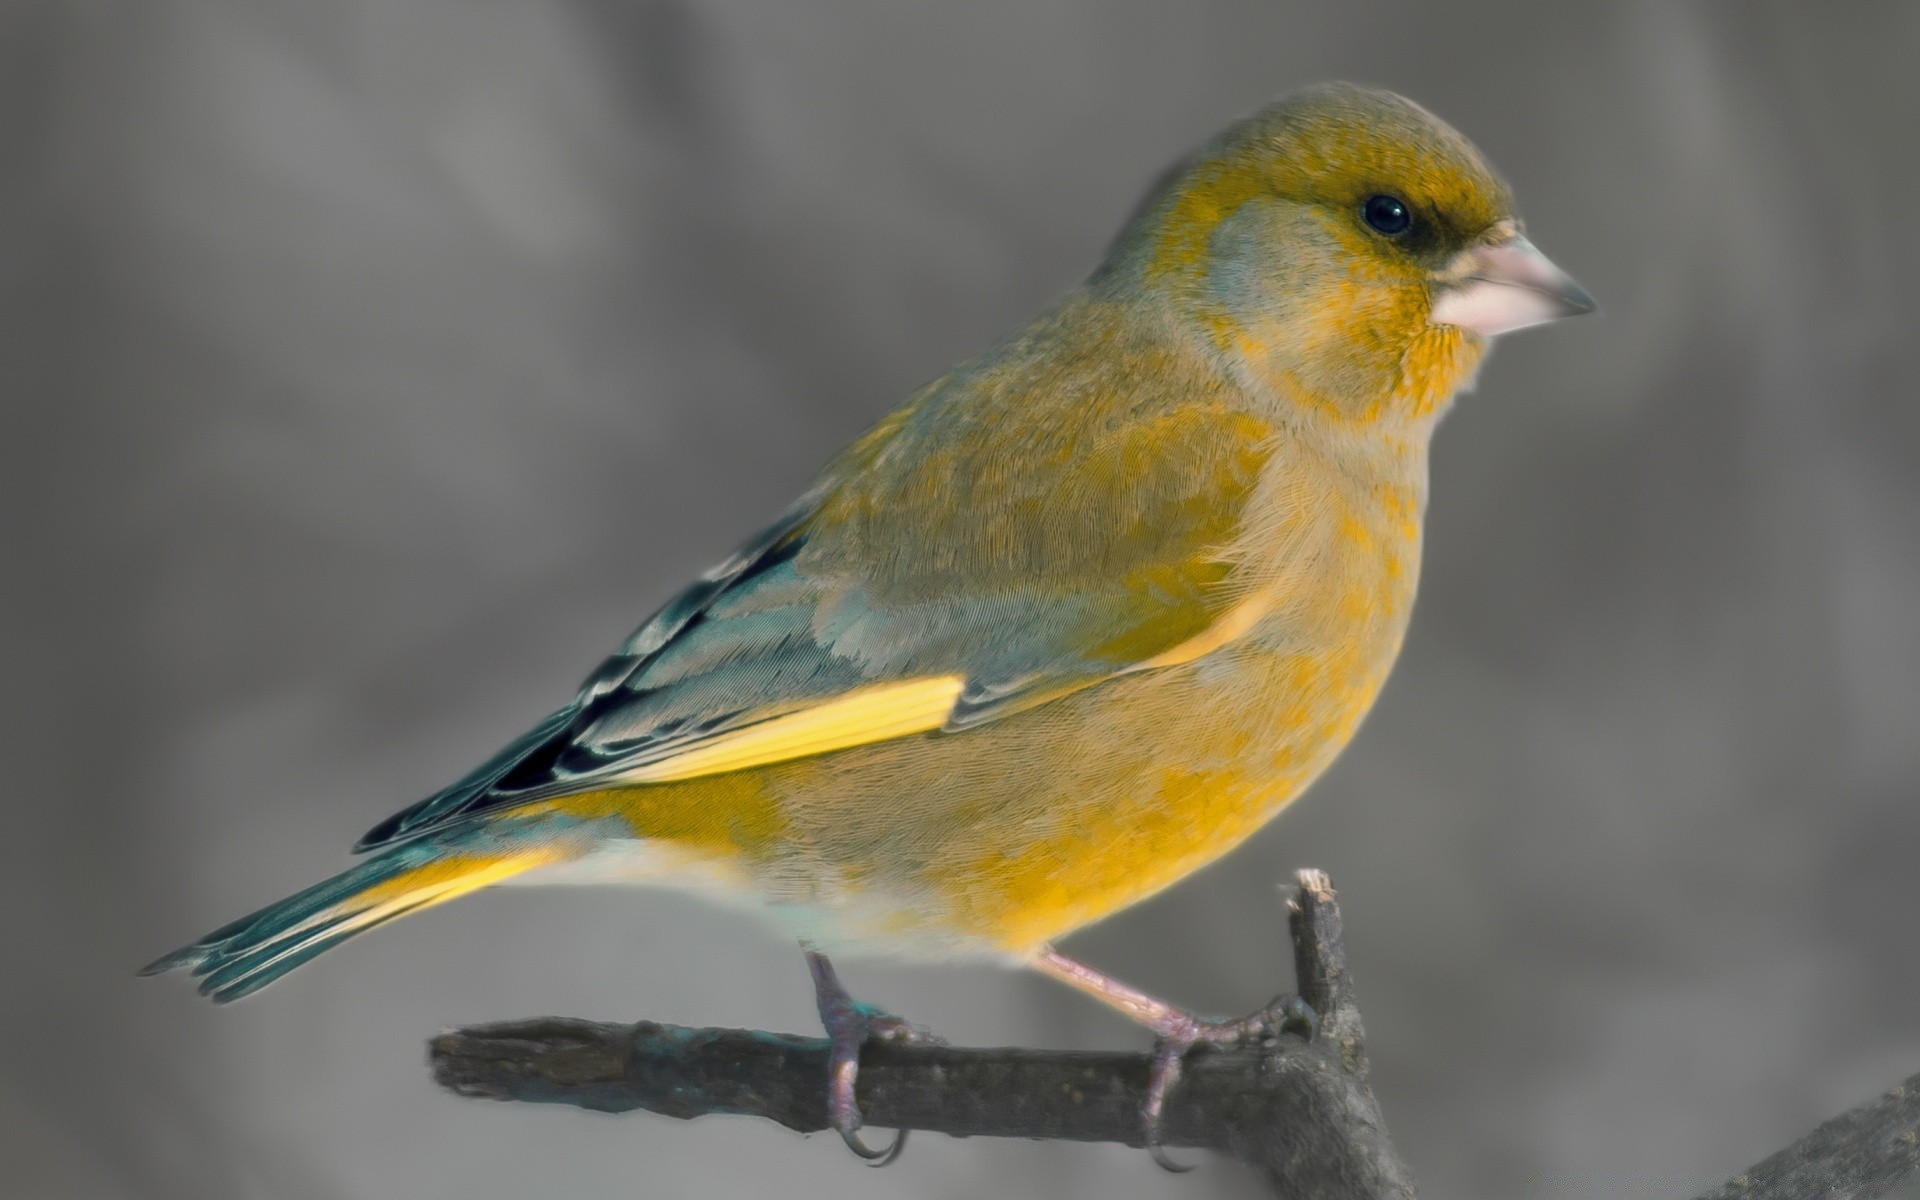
997, 840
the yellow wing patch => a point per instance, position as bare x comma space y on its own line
871, 714
1233, 624
437, 882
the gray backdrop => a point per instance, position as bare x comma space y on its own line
369, 368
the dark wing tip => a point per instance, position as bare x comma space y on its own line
185, 956
463, 796
386, 831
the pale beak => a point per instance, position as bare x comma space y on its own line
1503, 287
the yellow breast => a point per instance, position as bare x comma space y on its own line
1174, 766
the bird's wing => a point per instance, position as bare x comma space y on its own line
913, 590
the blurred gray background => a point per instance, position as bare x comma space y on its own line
370, 368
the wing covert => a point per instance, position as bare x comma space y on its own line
950, 569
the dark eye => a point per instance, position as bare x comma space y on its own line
1387, 214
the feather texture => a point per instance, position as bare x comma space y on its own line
903, 579
1072, 621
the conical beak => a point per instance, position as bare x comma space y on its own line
1505, 286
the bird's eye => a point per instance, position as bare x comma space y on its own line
1387, 214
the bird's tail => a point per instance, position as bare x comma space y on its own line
241, 958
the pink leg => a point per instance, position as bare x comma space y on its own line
1176, 1029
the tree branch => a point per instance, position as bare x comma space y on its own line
1300, 1110
1865, 1151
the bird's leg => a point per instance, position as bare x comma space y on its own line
849, 1024
1176, 1031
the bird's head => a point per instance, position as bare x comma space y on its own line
1347, 248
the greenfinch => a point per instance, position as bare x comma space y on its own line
1068, 624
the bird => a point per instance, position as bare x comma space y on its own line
1068, 624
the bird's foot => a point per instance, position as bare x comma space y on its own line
849, 1025
1178, 1032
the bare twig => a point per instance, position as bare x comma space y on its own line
1300, 1110
1865, 1151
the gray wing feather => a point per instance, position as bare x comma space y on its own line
614, 715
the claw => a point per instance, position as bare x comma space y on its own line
872, 1157
1161, 1076
1181, 1032
849, 1024
1297, 1016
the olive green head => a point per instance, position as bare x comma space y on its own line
1340, 241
